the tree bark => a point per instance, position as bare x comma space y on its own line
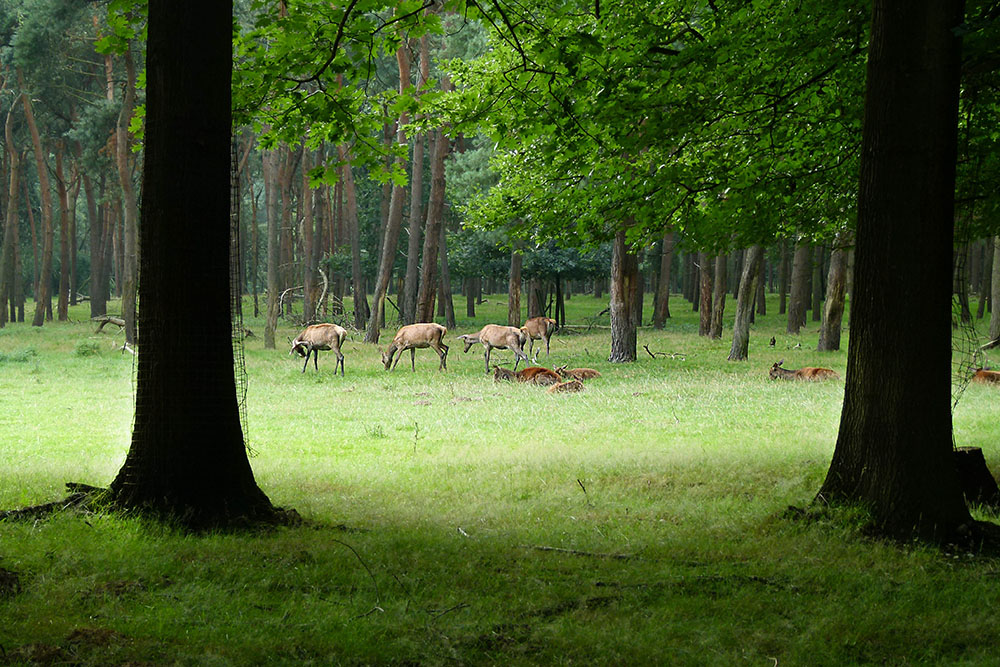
995, 291
308, 259
661, 309
817, 284
833, 311
740, 350
624, 283
986, 248
514, 290
43, 294
432, 230
130, 210
187, 460
62, 194
783, 271
395, 217
7, 256
705, 271
719, 296
98, 267
271, 158
416, 221
894, 450
798, 300
449, 303
361, 309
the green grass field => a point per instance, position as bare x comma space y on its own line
451, 520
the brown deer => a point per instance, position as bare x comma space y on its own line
500, 337
414, 336
576, 373
562, 387
318, 337
534, 375
984, 376
539, 328
808, 373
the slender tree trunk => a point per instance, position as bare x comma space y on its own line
761, 301
62, 194
187, 460
74, 198
449, 303
7, 256
661, 310
894, 452
705, 272
395, 218
984, 278
432, 230
43, 295
995, 291
354, 238
800, 288
719, 296
817, 284
130, 211
624, 283
754, 257
783, 271
271, 158
836, 284
514, 290
416, 196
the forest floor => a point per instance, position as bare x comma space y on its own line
451, 520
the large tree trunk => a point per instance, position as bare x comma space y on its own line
187, 460
409, 300
661, 307
995, 291
719, 296
798, 301
753, 259
833, 312
624, 283
271, 158
354, 236
130, 210
705, 271
432, 231
43, 295
395, 217
894, 450
514, 290
7, 251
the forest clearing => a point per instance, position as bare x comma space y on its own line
450, 519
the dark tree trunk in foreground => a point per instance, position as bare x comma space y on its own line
187, 460
833, 310
894, 450
754, 258
624, 284
514, 290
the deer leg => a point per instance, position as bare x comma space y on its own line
547, 338
413, 359
396, 363
340, 360
488, 348
308, 352
444, 357
315, 360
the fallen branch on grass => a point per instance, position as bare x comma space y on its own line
80, 497
669, 355
107, 319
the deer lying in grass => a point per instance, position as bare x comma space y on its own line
500, 337
534, 375
562, 387
413, 336
318, 337
539, 328
808, 373
576, 373
984, 376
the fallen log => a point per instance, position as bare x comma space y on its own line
107, 319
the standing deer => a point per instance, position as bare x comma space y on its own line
413, 336
539, 328
318, 337
808, 373
500, 337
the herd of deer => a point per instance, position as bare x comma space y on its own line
412, 337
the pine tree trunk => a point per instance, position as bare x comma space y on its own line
833, 312
432, 230
719, 296
661, 309
43, 296
514, 290
783, 272
624, 283
308, 267
7, 251
62, 194
753, 258
984, 278
416, 219
705, 271
799, 288
449, 303
995, 291
187, 460
130, 205
817, 284
98, 275
894, 450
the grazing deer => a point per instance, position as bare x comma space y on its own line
562, 387
808, 373
984, 376
539, 328
414, 336
577, 373
534, 375
500, 337
318, 337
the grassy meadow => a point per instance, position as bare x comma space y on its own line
451, 520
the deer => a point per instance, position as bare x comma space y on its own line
414, 336
500, 337
563, 387
808, 373
534, 375
539, 328
984, 376
576, 373
316, 337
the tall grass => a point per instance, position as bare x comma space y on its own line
450, 519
